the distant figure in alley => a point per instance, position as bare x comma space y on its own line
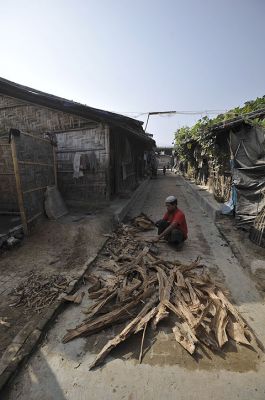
173, 226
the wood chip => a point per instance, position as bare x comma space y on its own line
75, 298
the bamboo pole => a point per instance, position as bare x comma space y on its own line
107, 150
19, 188
55, 167
34, 189
9, 213
34, 217
35, 137
35, 163
79, 150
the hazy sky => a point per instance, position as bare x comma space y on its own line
138, 55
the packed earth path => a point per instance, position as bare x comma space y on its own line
61, 371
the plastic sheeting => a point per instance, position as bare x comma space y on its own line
54, 204
248, 148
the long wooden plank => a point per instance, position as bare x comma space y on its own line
124, 334
106, 320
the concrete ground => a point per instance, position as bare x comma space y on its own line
60, 371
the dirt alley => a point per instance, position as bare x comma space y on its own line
55, 247
60, 371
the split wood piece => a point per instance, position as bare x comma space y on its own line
125, 291
143, 215
124, 334
143, 222
134, 263
5, 323
193, 265
95, 308
162, 280
194, 298
109, 287
125, 257
180, 280
204, 335
183, 309
186, 296
201, 295
253, 340
143, 273
95, 281
142, 344
219, 324
99, 294
165, 287
207, 309
219, 296
110, 265
117, 315
146, 319
237, 333
75, 298
185, 336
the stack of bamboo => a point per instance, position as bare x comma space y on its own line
143, 289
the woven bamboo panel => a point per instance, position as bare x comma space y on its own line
36, 167
31, 118
257, 234
93, 184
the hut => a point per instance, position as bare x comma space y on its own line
93, 154
237, 170
244, 140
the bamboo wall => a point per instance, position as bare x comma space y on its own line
94, 143
73, 133
126, 162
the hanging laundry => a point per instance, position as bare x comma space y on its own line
84, 162
76, 166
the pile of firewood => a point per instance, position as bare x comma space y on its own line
38, 291
143, 222
143, 289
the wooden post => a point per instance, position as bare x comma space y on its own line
55, 167
107, 162
18, 185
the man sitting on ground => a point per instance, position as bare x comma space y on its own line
173, 226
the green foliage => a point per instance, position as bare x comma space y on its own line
187, 138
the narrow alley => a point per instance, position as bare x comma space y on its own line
60, 371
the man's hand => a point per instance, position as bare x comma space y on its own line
155, 239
